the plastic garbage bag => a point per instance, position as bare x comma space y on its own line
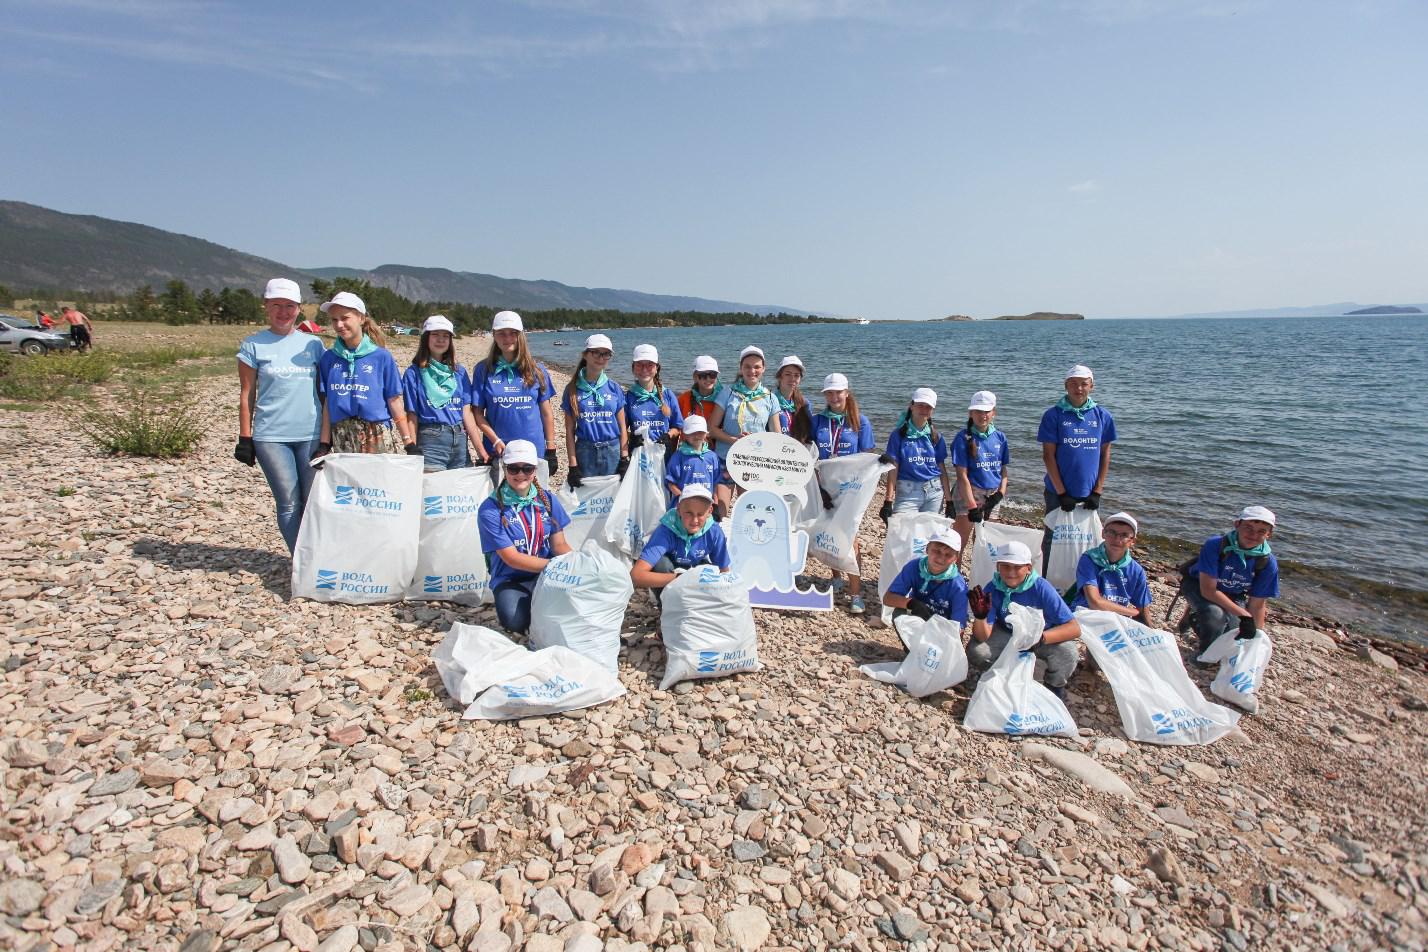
935, 658
906, 540
1243, 666
471, 658
707, 625
1008, 699
579, 602
588, 506
1158, 702
851, 482
992, 534
1072, 534
639, 502
361, 530
450, 564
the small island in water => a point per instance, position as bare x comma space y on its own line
1384, 309
1041, 316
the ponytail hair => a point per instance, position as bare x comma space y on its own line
850, 413
659, 389
569, 397
370, 328
971, 443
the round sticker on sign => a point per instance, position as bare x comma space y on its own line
773, 461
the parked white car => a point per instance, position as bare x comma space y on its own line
20, 336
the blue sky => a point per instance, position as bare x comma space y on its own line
892, 159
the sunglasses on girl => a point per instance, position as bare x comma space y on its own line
520, 469
707, 374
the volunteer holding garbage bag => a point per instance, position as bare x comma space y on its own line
650, 403
522, 528
1017, 583
1234, 578
840, 430
434, 391
693, 463
596, 440
981, 458
687, 536
1076, 436
932, 585
920, 452
510, 393
1108, 579
362, 408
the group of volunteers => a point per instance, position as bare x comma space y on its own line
299, 400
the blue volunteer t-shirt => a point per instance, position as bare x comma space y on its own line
1041, 596
364, 391
992, 455
1235, 577
708, 549
529, 532
1078, 445
639, 412
598, 421
286, 409
742, 417
685, 469
512, 408
1127, 586
415, 399
839, 439
917, 459
947, 597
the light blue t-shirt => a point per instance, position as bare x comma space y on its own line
287, 409
756, 414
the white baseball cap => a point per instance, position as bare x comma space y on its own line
344, 299
835, 382
1080, 370
983, 400
645, 352
1127, 518
1014, 552
437, 322
790, 361
695, 424
948, 537
598, 342
1256, 514
520, 451
925, 395
282, 289
695, 491
704, 364
507, 321
751, 349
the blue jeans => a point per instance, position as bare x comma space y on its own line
1211, 621
913, 495
443, 446
597, 459
285, 466
513, 604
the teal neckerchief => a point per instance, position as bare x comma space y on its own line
926, 574
505, 366
1001, 586
1232, 542
784, 403
835, 417
913, 432
596, 389
671, 521
350, 355
509, 497
688, 450
1081, 411
982, 434
1099, 556
641, 394
439, 381
699, 401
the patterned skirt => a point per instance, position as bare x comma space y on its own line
355, 435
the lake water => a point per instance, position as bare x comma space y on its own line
1321, 419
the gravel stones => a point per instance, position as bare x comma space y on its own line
1084, 768
292, 864
746, 928
20, 897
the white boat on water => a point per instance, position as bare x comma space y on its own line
568, 328
862, 320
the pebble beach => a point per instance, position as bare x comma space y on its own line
191, 761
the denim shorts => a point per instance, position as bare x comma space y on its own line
597, 459
914, 495
443, 446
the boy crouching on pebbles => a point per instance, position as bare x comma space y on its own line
687, 536
1016, 582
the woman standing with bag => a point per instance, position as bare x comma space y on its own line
649, 402
279, 416
920, 453
434, 393
596, 440
744, 408
840, 430
981, 457
362, 394
522, 528
510, 393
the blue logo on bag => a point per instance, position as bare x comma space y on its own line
708, 661
327, 579
1243, 682
1163, 723
431, 505
1115, 640
515, 693
1013, 724
344, 495
431, 584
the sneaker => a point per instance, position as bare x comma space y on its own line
858, 607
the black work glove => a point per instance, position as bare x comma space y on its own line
622, 466
920, 609
885, 460
412, 450
636, 440
974, 514
245, 452
950, 510
993, 500
1092, 501
979, 602
552, 461
322, 450
572, 478
1067, 501
827, 499
885, 511
1247, 628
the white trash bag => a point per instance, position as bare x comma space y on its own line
992, 534
639, 503
1008, 699
1158, 702
851, 482
450, 564
588, 506
361, 530
1243, 666
1072, 534
500, 680
707, 625
935, 658
579, 602
906, 540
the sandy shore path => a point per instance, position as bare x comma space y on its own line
190, 761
